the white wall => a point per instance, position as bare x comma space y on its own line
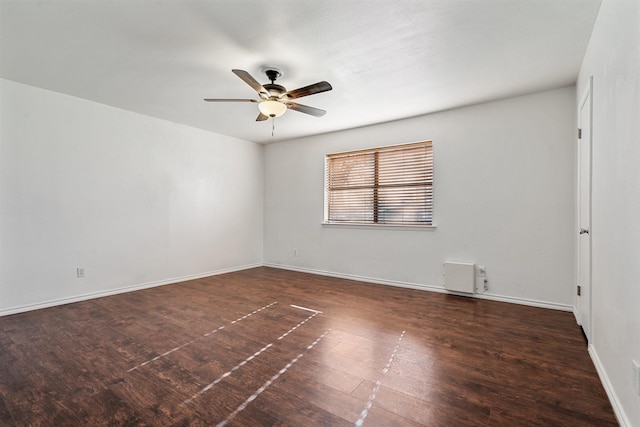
613, 59
504, 198
134, 200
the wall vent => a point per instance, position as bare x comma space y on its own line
460, 276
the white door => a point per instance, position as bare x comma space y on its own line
584, 212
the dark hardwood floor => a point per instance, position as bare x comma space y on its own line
245, 349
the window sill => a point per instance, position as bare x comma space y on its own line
379, 226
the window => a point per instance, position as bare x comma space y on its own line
388, 185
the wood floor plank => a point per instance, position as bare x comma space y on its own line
233, 347
420, 410
379, 417
338, 380
316, 393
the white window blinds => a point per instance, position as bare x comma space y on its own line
388, 185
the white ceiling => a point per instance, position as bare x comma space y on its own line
386, 59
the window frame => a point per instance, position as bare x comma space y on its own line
375, 187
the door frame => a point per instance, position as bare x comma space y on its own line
581, 304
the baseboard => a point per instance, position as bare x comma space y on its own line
576, 315
358, 278
525, 301
420, 286
604, 379
84, 297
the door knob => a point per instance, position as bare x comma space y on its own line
584, 231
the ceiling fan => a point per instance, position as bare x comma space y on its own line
274, 99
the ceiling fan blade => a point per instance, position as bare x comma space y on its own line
248, 79
261, 117
230, 100
308, 90
306, 109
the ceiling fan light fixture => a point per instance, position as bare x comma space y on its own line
272, 108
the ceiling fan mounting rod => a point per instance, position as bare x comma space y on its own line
272, 74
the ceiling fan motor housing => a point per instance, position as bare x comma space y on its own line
275, 90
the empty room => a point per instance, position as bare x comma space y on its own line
327, 213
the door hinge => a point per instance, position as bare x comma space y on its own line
579, 133
579, 290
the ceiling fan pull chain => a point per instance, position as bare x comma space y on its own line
273, 126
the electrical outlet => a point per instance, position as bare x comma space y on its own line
295, 252
482, 271
80, 272
636, 377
